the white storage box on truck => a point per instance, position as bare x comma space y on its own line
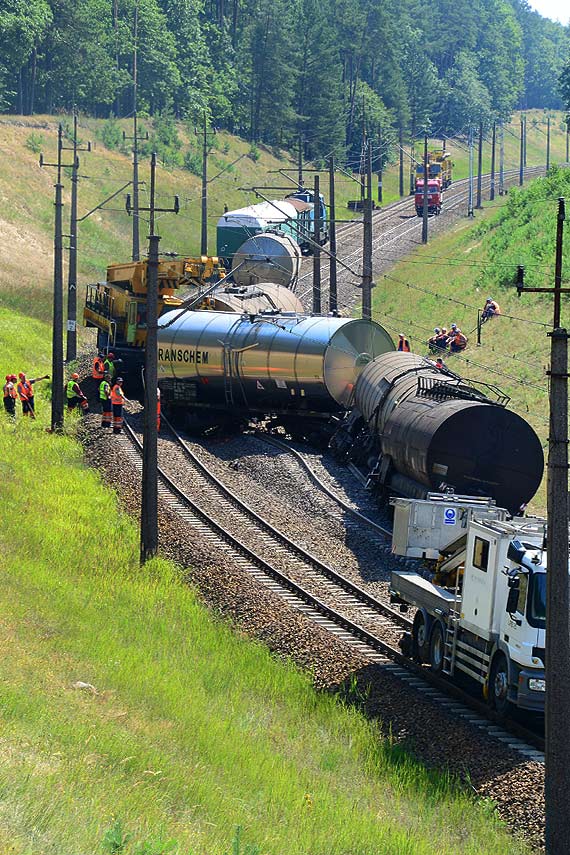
489, 621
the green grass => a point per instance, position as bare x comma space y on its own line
192, 730
447, 280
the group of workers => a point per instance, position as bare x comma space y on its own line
111, 394
443, 340
23, 389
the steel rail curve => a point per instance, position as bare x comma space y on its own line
436, 688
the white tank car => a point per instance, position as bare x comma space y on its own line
288, 364
268, 257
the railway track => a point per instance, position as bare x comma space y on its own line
389, 230
330, 600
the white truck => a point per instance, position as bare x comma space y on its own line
482, 612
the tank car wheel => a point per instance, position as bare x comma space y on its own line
420, 638
436, 648
499, 686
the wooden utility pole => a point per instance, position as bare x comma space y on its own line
557, 754
548, 143
401, 144
412, 169
480, 168
71, 353
333, 296
204, 217
493, 143
521, 163
380, 166
367, 284
317, 248
57, 394
425, 211
470, 188
149, 489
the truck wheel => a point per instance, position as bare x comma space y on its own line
436, 648
420, 638
499, 685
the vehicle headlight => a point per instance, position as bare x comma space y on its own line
537, 685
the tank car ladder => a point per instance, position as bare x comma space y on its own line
452, 631
228, 376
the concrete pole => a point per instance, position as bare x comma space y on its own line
425, 212
470, 193
149, 497
480, 168
493, 144
317, 248
333, 298
367, 242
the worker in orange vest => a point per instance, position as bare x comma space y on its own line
25, 390
403, 344
117, 401
98, 370
458, 342
10, 395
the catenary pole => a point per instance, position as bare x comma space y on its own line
149, 504
71, 351
401, 145
57, 396
380, 166
470, 188
567, 139
317, 247
524, 136
480, 168
149, 488
557, 658
300, 163
548, 143
493, 145
521, 163
367, 241
502, 159
333, 297
425, 209
57, 327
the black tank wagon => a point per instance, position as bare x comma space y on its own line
414, 429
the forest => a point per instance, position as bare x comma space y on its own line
276, 71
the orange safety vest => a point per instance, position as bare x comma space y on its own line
98, 371
9, 391
117, 394
25, 390
404, 346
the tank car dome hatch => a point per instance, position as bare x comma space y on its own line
267, 257
474, 446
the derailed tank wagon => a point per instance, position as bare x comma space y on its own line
415, 429
217, 369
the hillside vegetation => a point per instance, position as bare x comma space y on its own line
26, 192
274, 71
134, 722
450, 278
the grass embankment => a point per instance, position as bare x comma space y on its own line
190, 731
447, 281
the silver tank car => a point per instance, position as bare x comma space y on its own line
431, 429
264, 364
268, 257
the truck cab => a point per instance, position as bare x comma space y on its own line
481, 606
